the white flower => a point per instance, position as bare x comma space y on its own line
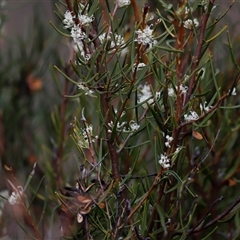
116, 112
85, 89
191, 116
84, 19
119, 126
233, 92
188, 10
16, 196
169, 140
117, 40
178, 149
122, 3
145, 37
139, 66
183, 90
68, 19
204, 4
78, 47
133, 125
145, 94
83, 136
104, 37
190, 23
204, 107
164, 161
77, 33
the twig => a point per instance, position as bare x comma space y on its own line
204, 114
59, 153
136, 11
205, 215
219, 217
198, 52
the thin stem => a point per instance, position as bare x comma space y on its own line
136, 11
198, 52
60, 150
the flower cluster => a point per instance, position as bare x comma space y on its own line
83, 136
116, 40
86, 136
68, 20
204, 107
188, 10
121, 127
190, 24
78, 25
75, 24
169, 139
85, 89
145, 95
191, 116
164, 161
145, 37
183, 90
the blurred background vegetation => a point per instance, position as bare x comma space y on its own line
32, 104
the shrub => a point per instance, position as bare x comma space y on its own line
146, 131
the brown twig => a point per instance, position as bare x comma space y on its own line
136, 11
204, 114
156, 180
198, 52
60, 149
215, 220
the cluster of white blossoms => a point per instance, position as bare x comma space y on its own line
145, 95
116, 40
191, 116
183, 90
169, 139
188, 11
77, 34
190, 24
116, 112
16, 196
145, 37
76, 24
164, 161
121, 127
68, 20
204, 107
84, 136
86, 90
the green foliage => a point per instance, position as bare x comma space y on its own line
140, 137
